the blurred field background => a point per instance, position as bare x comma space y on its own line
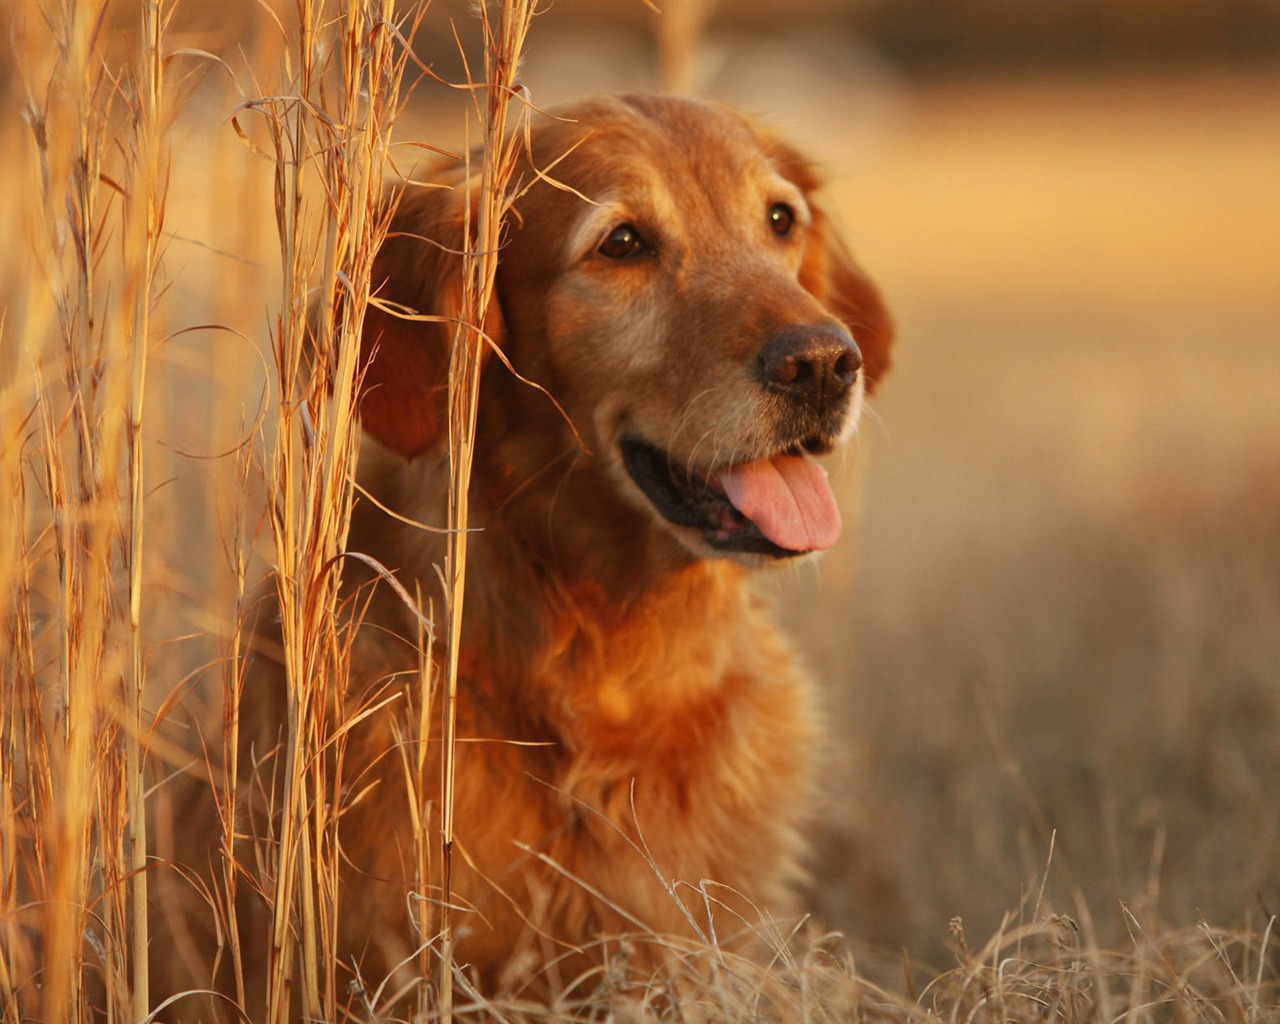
1051, 645
1065, 615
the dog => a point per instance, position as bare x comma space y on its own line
637, 739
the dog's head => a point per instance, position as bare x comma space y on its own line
696, 316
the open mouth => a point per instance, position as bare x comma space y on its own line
779, 506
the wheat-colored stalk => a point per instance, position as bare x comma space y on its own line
81, 749
344, 96
141, 253
679, 27
504, 41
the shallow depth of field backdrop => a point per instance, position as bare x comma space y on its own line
1051, 639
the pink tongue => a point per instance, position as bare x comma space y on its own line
789, 499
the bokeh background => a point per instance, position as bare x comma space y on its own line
1051, 642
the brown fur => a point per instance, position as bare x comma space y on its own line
653, 702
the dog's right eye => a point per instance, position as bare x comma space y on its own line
623, 242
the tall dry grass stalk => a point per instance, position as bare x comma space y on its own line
332, 123
680, 26
74, 671
504, 41
141, 253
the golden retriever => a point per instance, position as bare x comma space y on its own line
630, 716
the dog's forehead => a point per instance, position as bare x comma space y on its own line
635, 141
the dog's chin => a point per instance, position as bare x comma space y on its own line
693, 504
769, 556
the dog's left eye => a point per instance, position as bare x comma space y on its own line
623, 243
781, 219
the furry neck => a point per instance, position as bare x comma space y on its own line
590, 608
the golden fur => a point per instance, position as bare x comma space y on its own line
646, 699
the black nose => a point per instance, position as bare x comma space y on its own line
819, 363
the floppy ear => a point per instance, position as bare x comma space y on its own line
404, 394
831, 274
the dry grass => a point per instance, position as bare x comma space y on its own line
332, 122
171, 422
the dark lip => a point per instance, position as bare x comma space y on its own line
683, 496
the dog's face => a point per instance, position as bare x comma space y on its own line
694, 315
